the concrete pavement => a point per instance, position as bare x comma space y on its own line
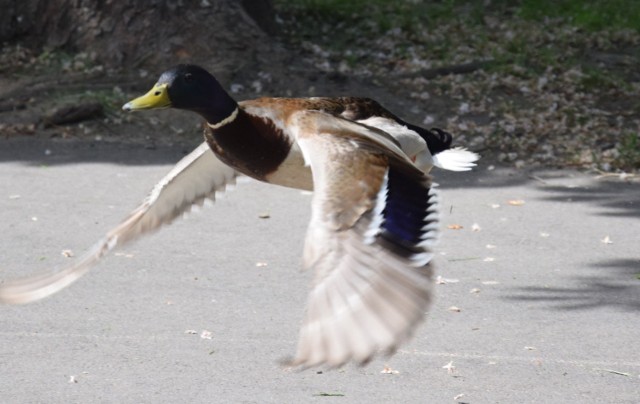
538, 302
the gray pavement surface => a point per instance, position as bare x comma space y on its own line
548, 311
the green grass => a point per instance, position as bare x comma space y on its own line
629, 152
593, 15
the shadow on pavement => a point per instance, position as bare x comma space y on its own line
617, 198
618, 286
36, 151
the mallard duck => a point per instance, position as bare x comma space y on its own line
374, 208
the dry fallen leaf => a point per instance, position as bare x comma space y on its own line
516, 202
454, 227
450, 368
264, 215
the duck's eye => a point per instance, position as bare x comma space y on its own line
157, 93
188, 77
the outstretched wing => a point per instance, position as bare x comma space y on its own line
196, 177
373, 220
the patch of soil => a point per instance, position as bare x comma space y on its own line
556, 116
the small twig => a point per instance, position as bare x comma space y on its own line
463, 68
622, 176
615, 372
73, 114
463, 259
535, 177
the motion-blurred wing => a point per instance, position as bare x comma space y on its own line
373, 220
196, 177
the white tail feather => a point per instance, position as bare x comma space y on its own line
456, 159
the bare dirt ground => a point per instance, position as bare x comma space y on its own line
573, 105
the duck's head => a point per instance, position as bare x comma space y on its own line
187, 87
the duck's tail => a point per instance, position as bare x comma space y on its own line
456, 159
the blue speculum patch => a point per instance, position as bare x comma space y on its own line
406, 208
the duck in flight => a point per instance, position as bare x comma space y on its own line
374, 214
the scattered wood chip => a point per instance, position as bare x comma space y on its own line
67, 253
474, 290
455, 309
607, 240
261, 264
544, 234
206, 334
489, 259
191, 332
491, 246
443, 281
458, 397
454, 227
530, 348
389, 371
121, 254
516, 202
73, 379
15, 196
490, 282
34, 219
495, 205
264, 215
475, 227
